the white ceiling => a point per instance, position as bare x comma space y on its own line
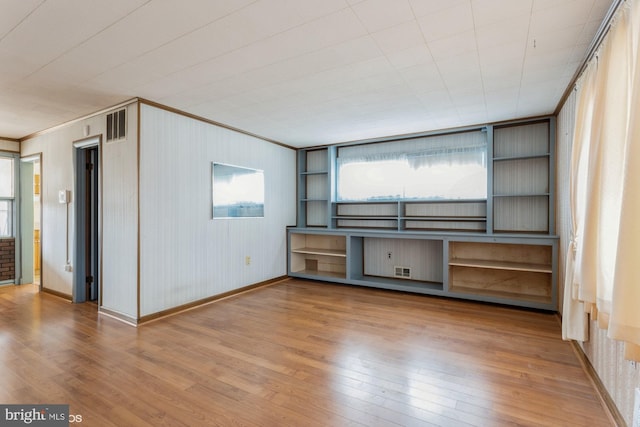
301, 72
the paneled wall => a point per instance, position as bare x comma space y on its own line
564, 139
423, 257
120, 220
56, 147
619, 376
185, 254
119, 214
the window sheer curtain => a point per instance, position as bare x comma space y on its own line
458, 148
600, 275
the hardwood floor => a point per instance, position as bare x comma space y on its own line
296, 353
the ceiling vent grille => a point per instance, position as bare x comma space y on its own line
117, 125
402, 272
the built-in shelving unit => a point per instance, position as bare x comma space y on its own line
318, 255
522, 178
499, 249
454, 215
314, 187
504, 270
381, 215
426, 215
508, 269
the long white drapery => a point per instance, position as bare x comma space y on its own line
601, 277
575, 320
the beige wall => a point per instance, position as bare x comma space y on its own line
619, 376
185, 255
160, 246
119, 214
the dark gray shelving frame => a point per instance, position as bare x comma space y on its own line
449, 225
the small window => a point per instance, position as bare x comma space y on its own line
117, 125
6, 218
7, 195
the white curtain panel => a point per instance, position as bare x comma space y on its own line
574, 316
624, 323
605, 172
597, 253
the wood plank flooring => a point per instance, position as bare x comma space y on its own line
297, 353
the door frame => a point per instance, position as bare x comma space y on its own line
79, 261
31, 158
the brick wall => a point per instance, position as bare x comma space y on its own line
7, 259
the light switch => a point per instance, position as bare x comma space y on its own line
63, 196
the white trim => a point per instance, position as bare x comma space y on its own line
92, 141
31, 158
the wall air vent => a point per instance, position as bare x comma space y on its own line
117, 125
402, 272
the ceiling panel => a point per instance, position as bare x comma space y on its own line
493, 35
456, 45
14, 12
430, 7
447, 22
399, 37
491, 12
57, 27
142, 31
410, 57
302, 72
377, 15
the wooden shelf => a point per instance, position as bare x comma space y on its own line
445, 218
323, 274
368, 223
505, 284
400, 284
318, 255
370, 217
522, 195
539, 299
524, 157
433, 215
501, 265
319, 251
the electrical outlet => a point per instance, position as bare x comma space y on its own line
636, 409
68, 267
247, 260
388, 255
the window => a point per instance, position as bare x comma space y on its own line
439, 167
7, 195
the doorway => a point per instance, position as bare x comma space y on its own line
87, 226
30, 220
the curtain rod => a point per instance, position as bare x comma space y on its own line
602, 32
